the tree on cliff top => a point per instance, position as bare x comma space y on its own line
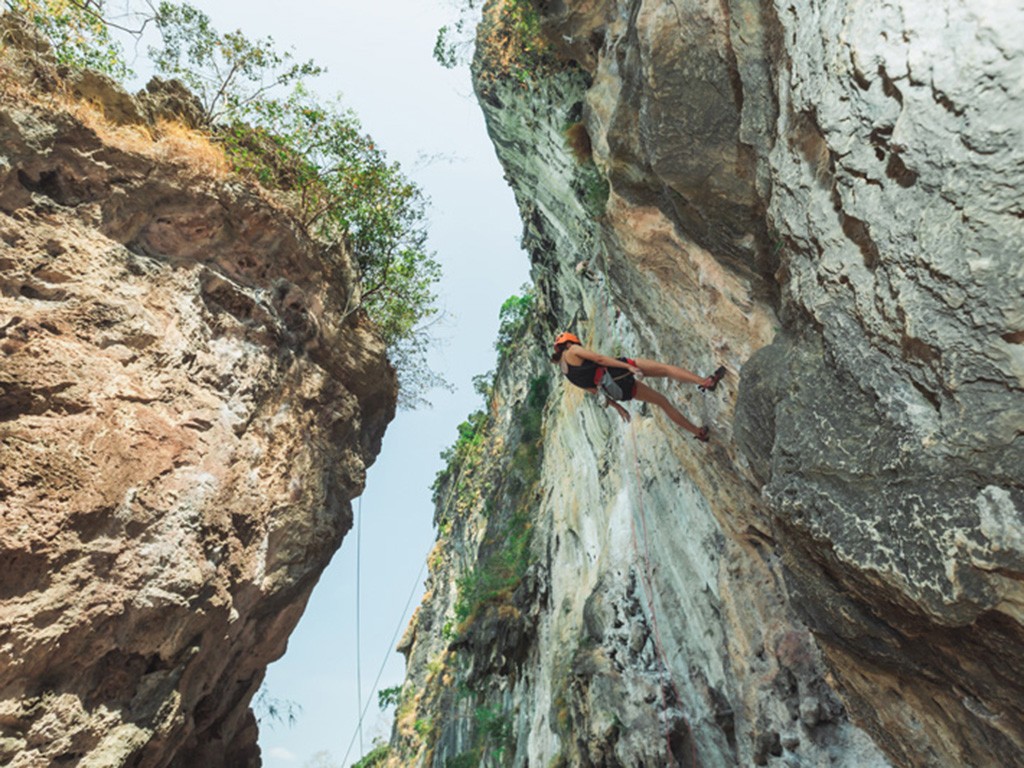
77, 31
333, 175
502, 37
313, 154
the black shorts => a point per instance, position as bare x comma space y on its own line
618, 383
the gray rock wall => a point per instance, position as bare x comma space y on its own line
886, 424
824, 197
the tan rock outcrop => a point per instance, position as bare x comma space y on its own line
187, 405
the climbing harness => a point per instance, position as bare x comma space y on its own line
620, 387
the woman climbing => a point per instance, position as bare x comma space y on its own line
617, 378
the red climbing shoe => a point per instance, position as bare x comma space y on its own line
702, 435
712, 381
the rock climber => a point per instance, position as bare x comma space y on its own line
616, 378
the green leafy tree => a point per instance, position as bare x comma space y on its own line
343, 187
274, 711
336, 178
313, 153
227, 71
389, 697
375, 757
503, 38
515, 312
77, 31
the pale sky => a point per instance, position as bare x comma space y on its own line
379, 58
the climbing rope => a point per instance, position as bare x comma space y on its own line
359, 664
388, 651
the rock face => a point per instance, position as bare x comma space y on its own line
824, 197
186, 409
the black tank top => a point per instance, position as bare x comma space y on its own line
582, 375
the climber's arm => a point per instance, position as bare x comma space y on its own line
607, 362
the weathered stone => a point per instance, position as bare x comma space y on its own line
171, 100
186, 410
825, 198
105, 93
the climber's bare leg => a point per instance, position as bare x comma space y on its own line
654, 369
648, 395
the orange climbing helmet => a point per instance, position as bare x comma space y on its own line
562, 338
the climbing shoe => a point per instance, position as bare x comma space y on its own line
702, 434
712, 381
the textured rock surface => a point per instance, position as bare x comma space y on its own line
185, 412
887, 424
825, 197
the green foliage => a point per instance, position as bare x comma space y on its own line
595, 190
334, 176
389, 697
531, 416
471, 435
507, 36
375, 757
342, 186
591, 185
77, 31
513, 317
501, 568
525, 464
499, 573
468, 759
495, 728
483, 385
493, 736
274, 711
448, 631
446, 51
467, 447
454, 41
423, 726
510, 45
228, 72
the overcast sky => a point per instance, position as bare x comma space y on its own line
379, 58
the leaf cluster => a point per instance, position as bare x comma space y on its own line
227, 71
510, 44
513, 316
375, 757
335, 177
343, 187
507, 37
77, 32
498, 573
389, 697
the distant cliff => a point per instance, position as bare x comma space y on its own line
186, 409
826, 198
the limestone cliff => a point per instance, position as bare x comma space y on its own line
186, 409
824, 197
